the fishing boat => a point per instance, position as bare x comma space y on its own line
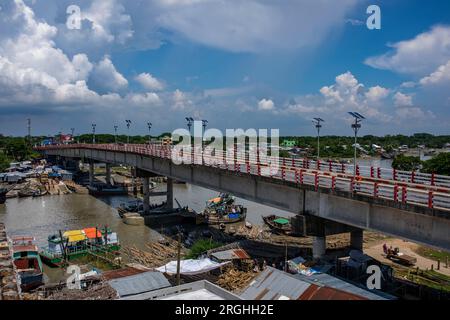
107, 190
74, 244
3, 192
222, 215
137, 206
278, 224
27, 262
222, 199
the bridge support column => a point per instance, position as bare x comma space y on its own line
319, 247
108, 174
169, 200
356, 239
91, 173
146, 189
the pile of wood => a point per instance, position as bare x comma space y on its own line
100, 291
235, 280
256, 232
156, 255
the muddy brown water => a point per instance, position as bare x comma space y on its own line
43, 216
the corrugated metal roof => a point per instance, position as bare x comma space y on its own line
336, 283
273, 284
139, 283
231, 254
326, 293
121, 273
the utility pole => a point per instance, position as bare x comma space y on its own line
149, 125
356, 126
317, 122
128, 130
179, 260
29, 130
93, 133
115, 133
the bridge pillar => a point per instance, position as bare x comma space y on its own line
319, 247
356, 239
91, 173
169, 201
146, 189
108, 174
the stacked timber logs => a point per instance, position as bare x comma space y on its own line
156, 255
9, 289
235, 280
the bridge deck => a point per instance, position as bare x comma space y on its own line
421, 189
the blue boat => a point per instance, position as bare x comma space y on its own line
28, 263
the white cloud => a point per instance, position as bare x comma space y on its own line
440, 76
402, 100
144, 99
266, 104
377, 93
180, 100
149, 82
418, 56
106, 77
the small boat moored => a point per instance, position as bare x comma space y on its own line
278, 224
28, 263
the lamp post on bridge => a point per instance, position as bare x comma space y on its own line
149, 125
318, 126
115, 133
128, 130
93, 133
356, 126
204, 124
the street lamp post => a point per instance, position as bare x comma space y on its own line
356, 126
72, 130
190, 121
204, 124
93, 133
149, 125
128, 130
115, 133
317, 122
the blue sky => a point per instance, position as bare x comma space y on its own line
239, 64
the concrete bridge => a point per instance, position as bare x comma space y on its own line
327, 197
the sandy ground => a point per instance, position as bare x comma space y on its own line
375, 250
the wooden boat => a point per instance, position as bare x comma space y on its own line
39, 193
106, 190
222, 199
138, 207
3, 192
73, 244
28, 263
222, 215
278, 224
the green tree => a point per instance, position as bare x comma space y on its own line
4, 162
406, 163
440, 164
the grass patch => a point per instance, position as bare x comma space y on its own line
429, 278
433, 254
201, 246
94, 262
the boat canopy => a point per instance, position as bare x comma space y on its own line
75, 235
90, 233
281, 221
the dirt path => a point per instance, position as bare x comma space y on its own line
375, 250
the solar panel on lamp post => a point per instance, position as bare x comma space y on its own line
149, 125
115, 133
356, 126
128, 130
93, 133
317, 122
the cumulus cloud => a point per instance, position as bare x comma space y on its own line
402, 100
149, 82
419, 56
105, 77
266, 104
180, 100
438, 77
377, 93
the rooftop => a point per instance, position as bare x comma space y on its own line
199, 290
